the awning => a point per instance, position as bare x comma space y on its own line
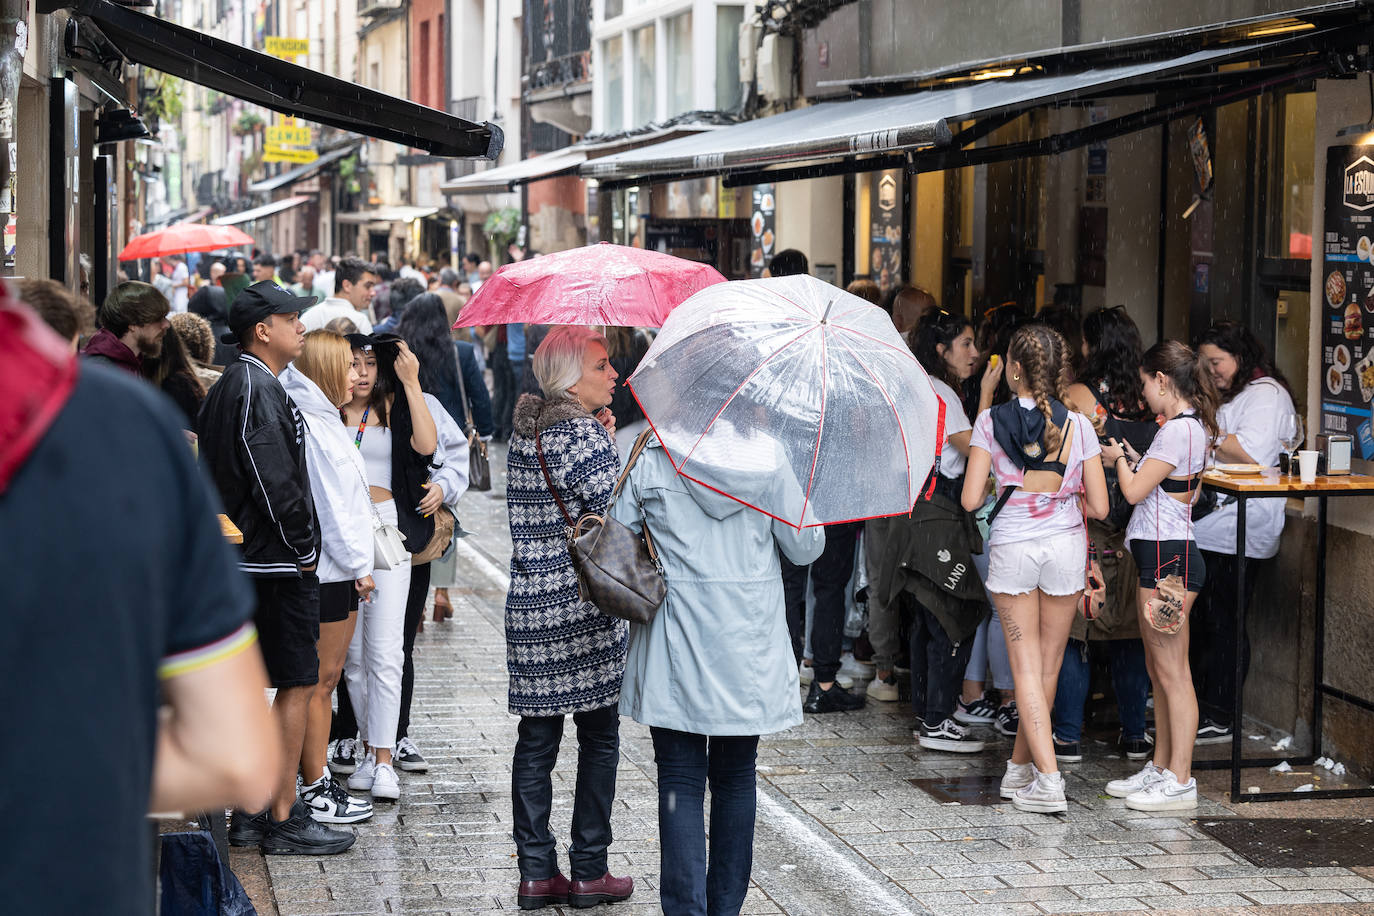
301, 173
387, 215
878, 125
506, 177
184, 215
282, 86
247, 216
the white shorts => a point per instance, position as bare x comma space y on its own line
1056, 565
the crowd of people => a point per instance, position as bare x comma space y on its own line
333, 408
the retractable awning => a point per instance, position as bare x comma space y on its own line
917, 122
387, 215
507, 177
281, 86
301, 173
247, 216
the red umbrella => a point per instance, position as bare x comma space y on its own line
598, 285
183, 237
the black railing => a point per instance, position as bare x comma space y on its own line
571, 68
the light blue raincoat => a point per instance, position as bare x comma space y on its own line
717, 659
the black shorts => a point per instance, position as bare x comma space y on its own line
1169, 560
288, 622
337, 601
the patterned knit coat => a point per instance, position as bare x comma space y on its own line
563, 655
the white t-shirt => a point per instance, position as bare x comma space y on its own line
1182, 443
1253, 417
180, 293
952, 463
316, 317
1029, 516
324, 280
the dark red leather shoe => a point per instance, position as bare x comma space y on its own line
535, 895
605, 889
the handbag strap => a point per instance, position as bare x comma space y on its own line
548, 479
635, 452
462, 387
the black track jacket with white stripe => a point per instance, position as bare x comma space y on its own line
252, 442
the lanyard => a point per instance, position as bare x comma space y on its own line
362, 427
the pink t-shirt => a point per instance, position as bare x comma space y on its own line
1181, 443
1028, 516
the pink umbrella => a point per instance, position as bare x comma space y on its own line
183, 237
601, 284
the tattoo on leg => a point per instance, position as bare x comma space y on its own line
1013, 631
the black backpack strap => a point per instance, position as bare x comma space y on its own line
1001, 502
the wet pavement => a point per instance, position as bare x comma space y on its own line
841, 830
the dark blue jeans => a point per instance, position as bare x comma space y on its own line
1130, 681
689, 883
536, 751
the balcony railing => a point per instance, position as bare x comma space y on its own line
570, 68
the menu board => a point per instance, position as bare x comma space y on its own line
762, 229
885, 228
1347, 296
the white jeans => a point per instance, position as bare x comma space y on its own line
377, 652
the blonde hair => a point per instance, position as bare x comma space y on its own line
325, 360
558, 361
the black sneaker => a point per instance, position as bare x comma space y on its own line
247, 829
344, 761
1136, 748
1210, 732
302, 835
1007, 719
981, 711
1067, 751
949, 736
836, 699
407, 757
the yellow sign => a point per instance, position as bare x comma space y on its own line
279, 46
271, 153
290, 136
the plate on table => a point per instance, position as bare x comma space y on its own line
1240, 470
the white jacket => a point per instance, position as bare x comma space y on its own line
453, 449
337, 483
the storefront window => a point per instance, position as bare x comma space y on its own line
612, 8
644, 106
729, 90
678, 33
1297, 122
613, 62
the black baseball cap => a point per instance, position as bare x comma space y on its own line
257, 302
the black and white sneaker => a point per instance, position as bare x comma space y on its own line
981, 711
1210, 732
1067, 751
344, 760
949, 736
1136, 748
1007, 720
408, 758
330, 803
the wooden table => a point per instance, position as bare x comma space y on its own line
231, 533
1274, 484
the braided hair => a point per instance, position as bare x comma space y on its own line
1043, 355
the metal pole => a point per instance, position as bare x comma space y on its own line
1237, 708
1319, 651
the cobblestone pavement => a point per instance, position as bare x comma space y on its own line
841, 830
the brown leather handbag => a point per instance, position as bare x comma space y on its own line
617, 570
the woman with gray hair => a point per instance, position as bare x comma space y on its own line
564, 656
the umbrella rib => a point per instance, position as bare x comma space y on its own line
820, 427
892, 405
757, 369
904, 351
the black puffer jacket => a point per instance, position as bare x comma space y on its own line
252, 442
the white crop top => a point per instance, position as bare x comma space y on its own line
376, 452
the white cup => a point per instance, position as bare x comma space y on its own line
1307, 465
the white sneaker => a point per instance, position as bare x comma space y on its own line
384, 783
1125, 788
1018, 776
1043, 795
884, 690
361, 780
808, 674
853, 668
1165, 795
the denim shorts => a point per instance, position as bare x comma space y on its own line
1056, 565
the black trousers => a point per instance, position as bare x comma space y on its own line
415, 612
1212, 648
504, 394
536, 752
345, 724
937, 665
830, 576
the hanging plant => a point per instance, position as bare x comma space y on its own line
165, 101
250, 122
348, 173
501, 226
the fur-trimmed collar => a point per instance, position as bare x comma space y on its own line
534, 414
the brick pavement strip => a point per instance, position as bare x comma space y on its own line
840, 830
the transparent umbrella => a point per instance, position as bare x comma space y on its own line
794, 377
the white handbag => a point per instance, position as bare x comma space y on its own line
388, 544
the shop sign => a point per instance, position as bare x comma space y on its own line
885, 229
280, 46
290, 136
273, 153
1346, 297
762, 229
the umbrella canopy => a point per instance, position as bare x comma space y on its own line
600, 284
793, 377
183, 237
